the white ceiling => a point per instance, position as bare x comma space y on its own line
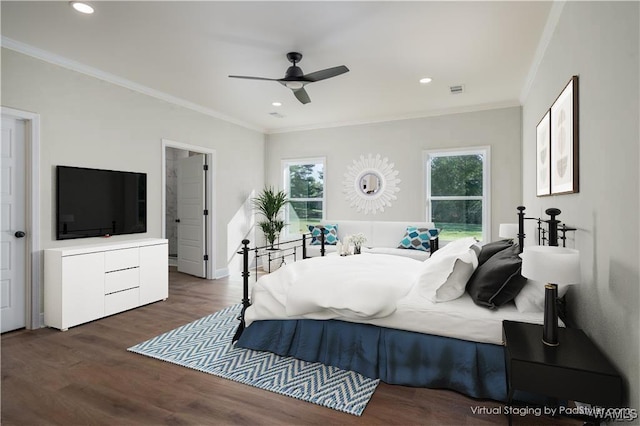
187, 50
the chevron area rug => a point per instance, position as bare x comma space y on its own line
205, 345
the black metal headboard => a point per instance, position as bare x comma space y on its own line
555, 230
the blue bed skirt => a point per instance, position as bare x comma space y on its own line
394, 356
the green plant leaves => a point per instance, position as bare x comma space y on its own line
270, 203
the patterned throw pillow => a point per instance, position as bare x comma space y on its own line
330, 234
417, 238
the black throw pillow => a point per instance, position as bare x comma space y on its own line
488, 250
498, 280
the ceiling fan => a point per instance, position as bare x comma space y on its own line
295, 79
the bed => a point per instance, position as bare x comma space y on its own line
390, 322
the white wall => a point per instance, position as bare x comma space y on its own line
403, 142
599, 42
91, 123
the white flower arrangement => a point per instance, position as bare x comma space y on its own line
357, 239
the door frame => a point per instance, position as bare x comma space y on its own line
209, 198
34, 318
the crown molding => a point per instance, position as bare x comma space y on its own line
426, 114
543, 44
122, 82
119, 81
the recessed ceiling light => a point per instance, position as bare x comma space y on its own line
276, 104
425, 80
82, 7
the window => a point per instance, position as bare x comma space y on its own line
458, 192
304, 185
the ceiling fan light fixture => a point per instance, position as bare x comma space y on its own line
425, 80
294, 85
276, 104
82, 7
295, 80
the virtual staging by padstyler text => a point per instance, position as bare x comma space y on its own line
619, 414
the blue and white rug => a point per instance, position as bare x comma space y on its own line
205, 345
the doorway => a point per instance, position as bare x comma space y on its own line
188, 215
20, 219
13, 271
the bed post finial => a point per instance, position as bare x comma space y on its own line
521, 227
553, 225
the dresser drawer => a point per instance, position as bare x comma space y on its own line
121, 301
121, 259
121, 280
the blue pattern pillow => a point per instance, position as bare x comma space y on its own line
330, 234
417, 238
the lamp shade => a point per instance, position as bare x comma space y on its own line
549, 264
508, 230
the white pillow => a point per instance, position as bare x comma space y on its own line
456, 283
454, 247
444, 277
531, 297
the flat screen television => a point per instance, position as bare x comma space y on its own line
99, 203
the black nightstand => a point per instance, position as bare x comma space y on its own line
575, 370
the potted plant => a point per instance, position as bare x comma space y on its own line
270, 204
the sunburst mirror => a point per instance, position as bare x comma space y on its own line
370, 184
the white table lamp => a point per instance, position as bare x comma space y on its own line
551, 265
508, 231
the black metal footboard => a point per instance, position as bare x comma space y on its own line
283, 252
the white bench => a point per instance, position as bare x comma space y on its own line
382, 237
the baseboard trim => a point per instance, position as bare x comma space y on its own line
221, 273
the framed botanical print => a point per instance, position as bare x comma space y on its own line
543, 156
564, 140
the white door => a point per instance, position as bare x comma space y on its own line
191, 215
12, 218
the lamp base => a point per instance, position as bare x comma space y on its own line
550, 328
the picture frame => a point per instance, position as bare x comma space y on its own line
564, 164
543, 156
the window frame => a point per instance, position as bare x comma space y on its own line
486, 183
285, 164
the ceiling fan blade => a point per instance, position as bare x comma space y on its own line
302, 95
253, 78
324, 74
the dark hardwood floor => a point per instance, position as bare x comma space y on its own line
85, 376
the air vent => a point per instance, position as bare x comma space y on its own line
276, 114
456, 89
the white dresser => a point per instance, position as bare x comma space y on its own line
84, 283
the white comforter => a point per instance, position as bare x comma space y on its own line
355, 287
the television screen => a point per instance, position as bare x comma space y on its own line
96, 203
